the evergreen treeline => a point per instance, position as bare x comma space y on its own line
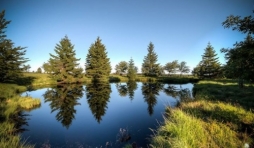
63, 66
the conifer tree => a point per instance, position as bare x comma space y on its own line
63, 65
131, 71
97, 63
11, 58
209, 67
150, 66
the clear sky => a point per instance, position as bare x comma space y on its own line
179, 29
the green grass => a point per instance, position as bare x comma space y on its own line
42, 79
9, 140
184, 130
221, 115
227, 92
10, 103
176, 79
10, 90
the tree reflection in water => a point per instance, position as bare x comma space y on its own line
19, 119
63, 99
184, 94
132, 86
98, 94
122, 89
150, 92
127, 89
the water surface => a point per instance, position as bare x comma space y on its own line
100, 115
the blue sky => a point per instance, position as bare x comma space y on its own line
179, 29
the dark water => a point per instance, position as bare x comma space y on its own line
99, 115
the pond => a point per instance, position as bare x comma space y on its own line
99, 114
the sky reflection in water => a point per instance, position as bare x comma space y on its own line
96, 114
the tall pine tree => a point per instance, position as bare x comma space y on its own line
209, 67
11, 58
97, 63
63, 65
149, 66
131, 74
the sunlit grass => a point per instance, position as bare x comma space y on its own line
219, 111
10, 90
229, 93
8, 139
181, 129
223, 82
221, 115
10, 103
24, 102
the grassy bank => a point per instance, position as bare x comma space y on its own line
219, 116
175, 79
42, 79
11, 117
225, 91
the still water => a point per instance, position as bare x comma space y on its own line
99, 115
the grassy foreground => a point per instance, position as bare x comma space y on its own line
11, 104
219, 116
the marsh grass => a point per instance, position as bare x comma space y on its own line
10, 103
181, 129
24, 102
221, 115
9, 140
42, 79
228, 92
10, 90
219, 111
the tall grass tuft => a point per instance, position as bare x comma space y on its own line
10, 103
181, 129
24, 102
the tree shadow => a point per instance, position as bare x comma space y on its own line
25, 80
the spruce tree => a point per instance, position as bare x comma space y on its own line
63, 65
11, 58
149, 66
97, 63
209, 67
131, 74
